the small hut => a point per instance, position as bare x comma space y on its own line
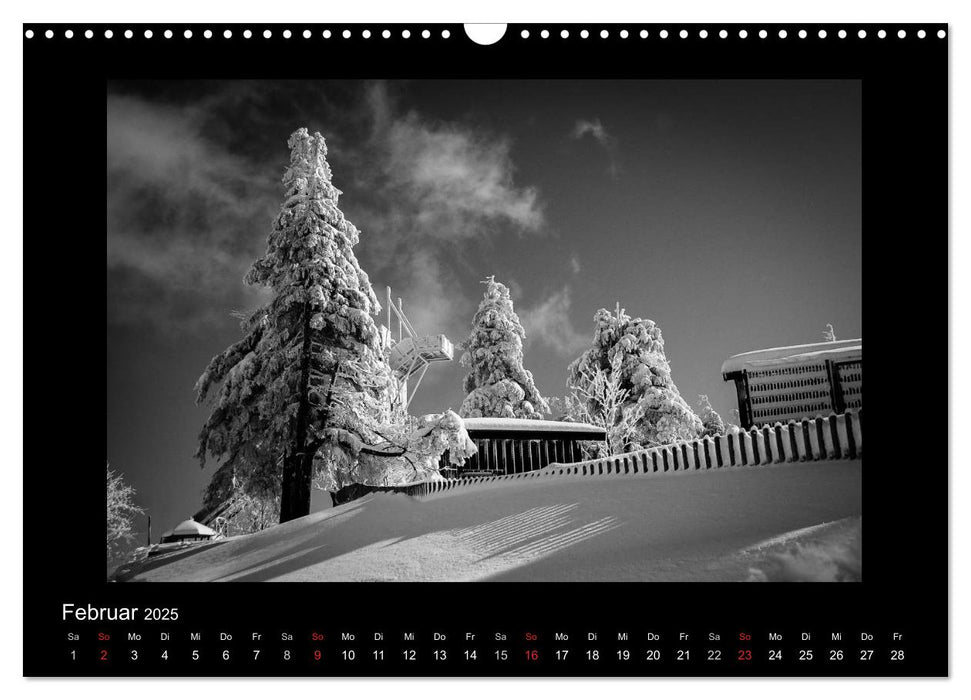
189, 531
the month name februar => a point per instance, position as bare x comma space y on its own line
82, 613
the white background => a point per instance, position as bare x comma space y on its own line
14, 286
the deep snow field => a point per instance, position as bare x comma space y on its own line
762, 523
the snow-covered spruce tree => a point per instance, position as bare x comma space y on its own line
497, 385
121, 514
712, 422
307, 393
628, 353
566, 408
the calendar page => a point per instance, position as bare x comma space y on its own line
488, 350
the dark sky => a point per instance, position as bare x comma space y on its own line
729, 212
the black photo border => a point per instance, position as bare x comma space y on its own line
905, 220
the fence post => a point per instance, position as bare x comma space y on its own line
857, 434
694, 455
710, 459
778, 446
828, 445
843, 436
785, 431
834, 432
767, 442
734, 450
746, 439
758, 446
815, 445
721, 450
799, 429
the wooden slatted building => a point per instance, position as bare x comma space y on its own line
801, 381
514, 445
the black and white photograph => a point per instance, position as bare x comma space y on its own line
496, 330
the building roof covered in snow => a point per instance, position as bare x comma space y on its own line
837, 350
189, 528
530, 428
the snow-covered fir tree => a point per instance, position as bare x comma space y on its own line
497, 385
712, 422
308, 389
566, 408
629, 353
121, 514
829, 335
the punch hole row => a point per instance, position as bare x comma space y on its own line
445, 34
721, 34
245, 33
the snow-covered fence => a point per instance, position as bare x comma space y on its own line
824, 438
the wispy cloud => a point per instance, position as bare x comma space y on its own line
575, 266
432, 303
592, 127
189, 208
446, 181
595, 129
440, 195
549, 323
178, 212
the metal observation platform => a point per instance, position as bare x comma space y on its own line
411, 354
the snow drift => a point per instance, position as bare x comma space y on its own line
779, 522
